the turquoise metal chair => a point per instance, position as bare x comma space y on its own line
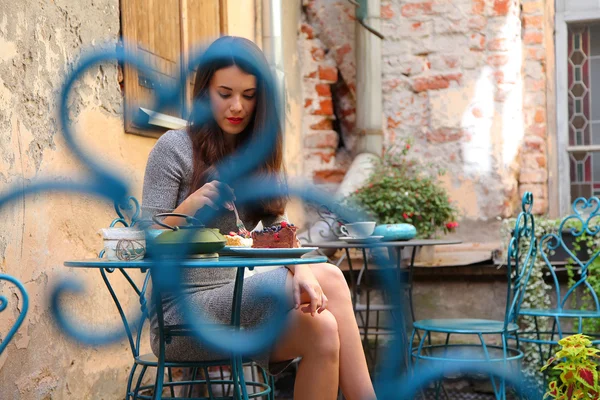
200, 375
558, 248
4, 303
522, 250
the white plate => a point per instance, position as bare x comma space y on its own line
361, 240
266, 253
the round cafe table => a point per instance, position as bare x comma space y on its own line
108, 266
404, 274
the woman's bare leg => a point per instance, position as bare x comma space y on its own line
316, 340
354, 375
300, 339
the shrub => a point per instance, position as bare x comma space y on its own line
402, 190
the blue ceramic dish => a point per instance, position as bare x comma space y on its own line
395, 232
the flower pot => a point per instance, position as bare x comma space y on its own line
560, 255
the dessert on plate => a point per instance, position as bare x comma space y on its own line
278, 236
237, 240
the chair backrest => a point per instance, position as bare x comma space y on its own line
128, 216
4, 303
326, 227
575, 243
522, 253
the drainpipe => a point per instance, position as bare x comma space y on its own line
272, 46
369, 113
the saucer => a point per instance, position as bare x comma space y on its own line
361, 240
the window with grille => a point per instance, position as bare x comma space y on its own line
584, 110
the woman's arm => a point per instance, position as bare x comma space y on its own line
169, 162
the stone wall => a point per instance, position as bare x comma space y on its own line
464, 80
319, 73
534, 164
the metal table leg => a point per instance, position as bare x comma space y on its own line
409, 287
160, 368
353, 287
367, 306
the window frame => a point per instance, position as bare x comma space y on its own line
563, 18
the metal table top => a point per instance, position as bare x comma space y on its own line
221, 262
340, 244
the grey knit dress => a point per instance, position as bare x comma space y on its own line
210, 291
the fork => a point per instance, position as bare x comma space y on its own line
238, 222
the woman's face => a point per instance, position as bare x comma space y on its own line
232, 98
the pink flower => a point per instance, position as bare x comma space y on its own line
405, 215
407, 146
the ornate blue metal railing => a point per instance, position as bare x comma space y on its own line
393, 382
574, 247
585, 220
22, 313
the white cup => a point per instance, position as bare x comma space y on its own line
358, 229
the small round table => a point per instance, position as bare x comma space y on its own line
396, 259
240, 263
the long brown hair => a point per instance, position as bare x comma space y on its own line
207, 137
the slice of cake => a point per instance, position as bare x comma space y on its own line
278, 236
237, 240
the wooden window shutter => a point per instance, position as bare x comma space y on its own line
152, 32
203, 21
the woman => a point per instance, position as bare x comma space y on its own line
180, 177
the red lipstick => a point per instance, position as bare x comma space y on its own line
235, 121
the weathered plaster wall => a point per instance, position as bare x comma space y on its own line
241, 16
293, 143
465, 79
39, 43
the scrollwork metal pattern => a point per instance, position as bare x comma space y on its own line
520, 265
237, 168
22, 313
584, 220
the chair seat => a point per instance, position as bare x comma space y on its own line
555, 312
466, 353
150, 360
465, 326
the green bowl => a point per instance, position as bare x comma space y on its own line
202, 241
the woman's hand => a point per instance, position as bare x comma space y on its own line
213, 194
304, 281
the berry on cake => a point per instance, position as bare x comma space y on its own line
277, 236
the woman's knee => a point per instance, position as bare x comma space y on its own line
332, 279
324, 334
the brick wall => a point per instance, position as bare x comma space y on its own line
464, 79
534, 170
319, 73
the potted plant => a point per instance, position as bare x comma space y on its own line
401, 190
574, 372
